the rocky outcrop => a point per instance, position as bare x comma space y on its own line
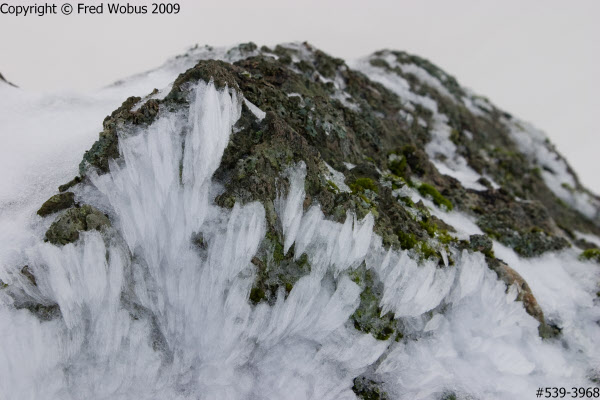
57, 203
364, 148
66, 228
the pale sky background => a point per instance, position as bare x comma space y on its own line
539, 60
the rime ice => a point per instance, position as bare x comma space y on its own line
148, 313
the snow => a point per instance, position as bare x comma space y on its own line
338, 178
535, 144
442, 152
588, 237
258, 113
395, 83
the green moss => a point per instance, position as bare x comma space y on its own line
278, 255
427, 223
427, 190
398, 166
455, 136
428, 226
370, 159
407, 240
257, 295
332, 187
356, 276
590, 255
448, 396
367, 317
568, 187
427, 251
407, 201
303, 261
537, 172
276, 269
362, 184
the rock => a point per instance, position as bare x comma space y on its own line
69, 184
384, 138
44, 312
367, 389
481, 243
512, 277
527, 227
56, 203
106, 147
76, 219
27, 272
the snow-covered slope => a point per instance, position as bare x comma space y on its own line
277, 225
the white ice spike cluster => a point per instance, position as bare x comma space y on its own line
159, 308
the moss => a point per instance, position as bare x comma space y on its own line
398, 166
362, 184
276, 269
278, 255
367, 317
407, 240
429, 227
455, 136
333, 187
257, 295
448, 396
407, 201
439, 200
426, 251
590, 255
